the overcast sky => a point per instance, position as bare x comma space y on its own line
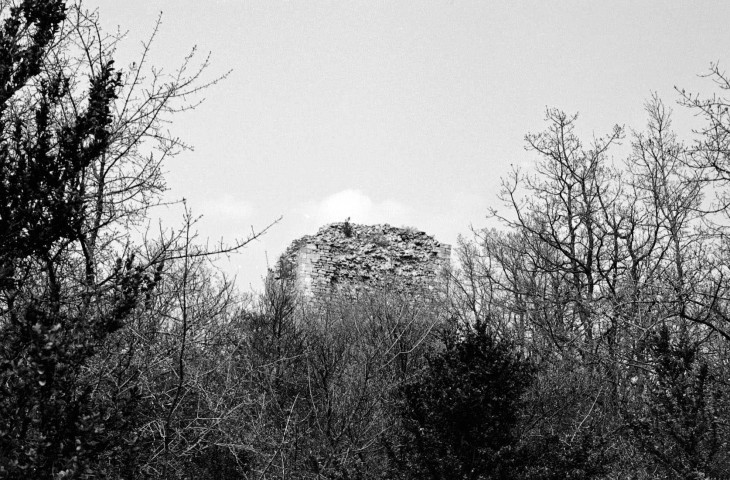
400, 112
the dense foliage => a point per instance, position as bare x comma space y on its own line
459, 417
53, 420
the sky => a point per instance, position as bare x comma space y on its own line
399, 112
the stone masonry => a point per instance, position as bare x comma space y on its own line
352, 257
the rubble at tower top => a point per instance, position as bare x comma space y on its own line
356, 256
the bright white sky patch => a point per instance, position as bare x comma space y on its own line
358, 207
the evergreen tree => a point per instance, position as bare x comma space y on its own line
459, 416
56, 420
680, 422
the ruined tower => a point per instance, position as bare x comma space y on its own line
350, 257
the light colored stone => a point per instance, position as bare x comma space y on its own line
372, 256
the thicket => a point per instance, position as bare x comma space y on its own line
587, 338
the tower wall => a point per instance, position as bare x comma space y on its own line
351, 257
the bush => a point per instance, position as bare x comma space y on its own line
459, 416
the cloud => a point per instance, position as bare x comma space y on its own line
359, 207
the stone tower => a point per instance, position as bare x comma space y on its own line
353, 257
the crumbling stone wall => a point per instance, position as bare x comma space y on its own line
350, 257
